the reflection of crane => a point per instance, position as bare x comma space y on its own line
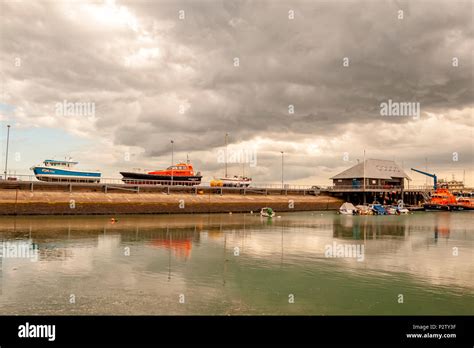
435, 178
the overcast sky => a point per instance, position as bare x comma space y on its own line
155, 73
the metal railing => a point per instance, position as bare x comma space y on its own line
376, 187
205, 184
144, 182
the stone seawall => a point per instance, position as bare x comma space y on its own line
13, 202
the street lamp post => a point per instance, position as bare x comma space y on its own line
363, 184
282, 168
6, 155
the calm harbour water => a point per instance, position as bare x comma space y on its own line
238, 264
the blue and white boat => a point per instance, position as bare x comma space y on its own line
64, 171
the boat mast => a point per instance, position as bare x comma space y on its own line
226, 135
364, 179
6, 155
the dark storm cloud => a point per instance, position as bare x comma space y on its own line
299, 62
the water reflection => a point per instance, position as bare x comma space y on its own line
180, 241
221, 259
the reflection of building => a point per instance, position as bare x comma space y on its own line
380, 173
361, 229
55, 254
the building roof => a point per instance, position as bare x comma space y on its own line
374, 169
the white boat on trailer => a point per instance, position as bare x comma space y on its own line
64, 171
236, 181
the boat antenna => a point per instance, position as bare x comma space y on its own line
187, 158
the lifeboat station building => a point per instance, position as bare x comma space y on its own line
378, 174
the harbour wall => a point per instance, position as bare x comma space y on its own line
22, 202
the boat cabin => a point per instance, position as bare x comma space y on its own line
180, 169
59, 164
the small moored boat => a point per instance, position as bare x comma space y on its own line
401, 208
267, 212
391, 210
347, 209
364, 210
378, 209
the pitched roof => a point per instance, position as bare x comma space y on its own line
374, 169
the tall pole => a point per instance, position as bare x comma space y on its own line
226, 135
282, 168
6, 155
172, 160
403, 182
365, 201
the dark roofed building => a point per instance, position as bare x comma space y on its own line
377, 173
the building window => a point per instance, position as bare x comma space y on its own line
374, 182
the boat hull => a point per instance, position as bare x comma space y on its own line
64, 175
347, 212
436, 207
460, 207
153, 179
235, 182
